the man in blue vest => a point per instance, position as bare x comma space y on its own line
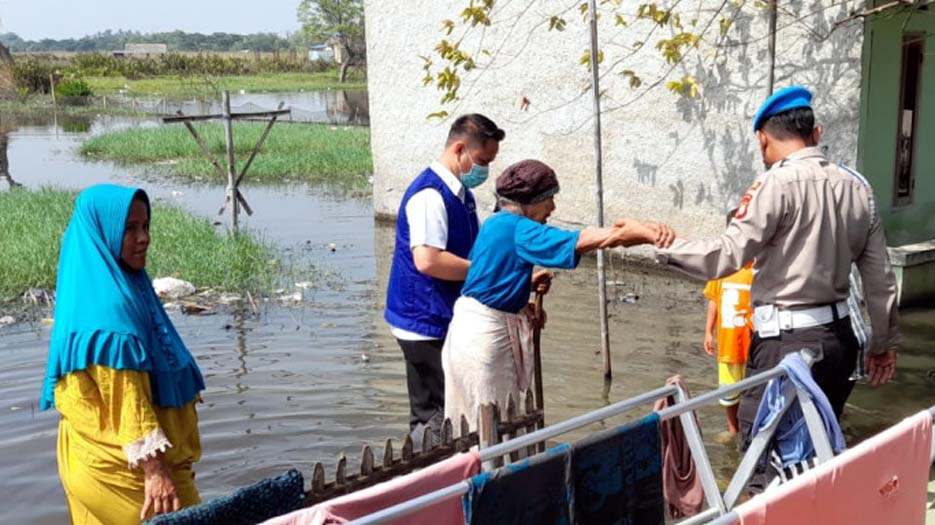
435, 231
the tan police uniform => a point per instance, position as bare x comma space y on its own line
804, 222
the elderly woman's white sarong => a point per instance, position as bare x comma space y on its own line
488, 355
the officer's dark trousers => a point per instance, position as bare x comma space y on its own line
839, 347
426, 381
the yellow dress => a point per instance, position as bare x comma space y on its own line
103, 410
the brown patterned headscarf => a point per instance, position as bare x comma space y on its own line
527, 182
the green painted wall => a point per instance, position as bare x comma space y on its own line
882, 61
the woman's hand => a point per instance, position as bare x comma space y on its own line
631, 232
645, 232
160, 496
881, 367
542, 281
536, 319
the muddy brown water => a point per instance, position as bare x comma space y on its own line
291, 387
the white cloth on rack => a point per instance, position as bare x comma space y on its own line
488, 356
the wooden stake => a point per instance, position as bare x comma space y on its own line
232, 192
599, 189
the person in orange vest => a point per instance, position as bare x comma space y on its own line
729, 314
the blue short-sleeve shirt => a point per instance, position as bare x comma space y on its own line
507, 249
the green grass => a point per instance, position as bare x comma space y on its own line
183, 246
200, 86
318, 154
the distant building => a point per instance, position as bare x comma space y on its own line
141, 50
321, 52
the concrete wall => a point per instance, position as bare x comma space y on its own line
667, 157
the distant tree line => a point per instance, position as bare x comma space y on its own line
178, 41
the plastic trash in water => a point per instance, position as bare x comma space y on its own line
172, 288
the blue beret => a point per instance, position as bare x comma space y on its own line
783, 100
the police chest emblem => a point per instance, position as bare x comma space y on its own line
745, 201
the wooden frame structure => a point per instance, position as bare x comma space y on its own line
233, 197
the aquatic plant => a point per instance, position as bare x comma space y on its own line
183, 246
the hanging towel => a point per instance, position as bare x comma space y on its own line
681, 484
880, 481
246, 506
618, 476
792, 439
533, 491
378, 497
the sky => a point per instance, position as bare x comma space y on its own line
37, 19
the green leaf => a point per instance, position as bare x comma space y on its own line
635, 81
725, 25
440, 115
448, 26
618, 19
557, 23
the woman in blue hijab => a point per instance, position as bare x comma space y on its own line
118, 372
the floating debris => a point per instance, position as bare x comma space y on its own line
7, 320
291, 298
229, 298
365, 358
197, 309
629, 298
303, 285
38, 295
172, 288
333, 247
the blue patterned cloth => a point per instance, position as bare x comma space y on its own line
529, 491
106, 314
792, 439
618, 476
257, 503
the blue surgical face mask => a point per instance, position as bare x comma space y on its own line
476, 176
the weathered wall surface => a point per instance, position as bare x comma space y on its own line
666, 157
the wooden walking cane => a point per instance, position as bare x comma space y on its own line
537, 361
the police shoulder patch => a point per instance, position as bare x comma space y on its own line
744, 206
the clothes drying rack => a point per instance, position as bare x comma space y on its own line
732, 518
717, 504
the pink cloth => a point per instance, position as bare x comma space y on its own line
378, 497
882, 480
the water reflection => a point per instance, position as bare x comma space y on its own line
341, 107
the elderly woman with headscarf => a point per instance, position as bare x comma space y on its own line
118, 373
487, 353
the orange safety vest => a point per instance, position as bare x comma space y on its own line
734, 313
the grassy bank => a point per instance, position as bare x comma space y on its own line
183, 246
200, 86
337, 156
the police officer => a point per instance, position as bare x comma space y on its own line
803, 222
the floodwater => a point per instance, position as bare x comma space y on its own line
291, 387
332, 106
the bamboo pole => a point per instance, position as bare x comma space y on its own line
773, 16
599, 187
231, 181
